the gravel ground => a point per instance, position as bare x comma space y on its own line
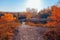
25, 32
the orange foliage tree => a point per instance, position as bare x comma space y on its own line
7, 25
54, 32
55, 16
7, 18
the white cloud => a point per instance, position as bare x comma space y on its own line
38, 4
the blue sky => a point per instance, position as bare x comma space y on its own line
21, 5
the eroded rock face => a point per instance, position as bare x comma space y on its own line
30, 33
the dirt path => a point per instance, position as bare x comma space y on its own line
29, 33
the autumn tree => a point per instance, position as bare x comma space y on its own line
7, 26
55, 16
